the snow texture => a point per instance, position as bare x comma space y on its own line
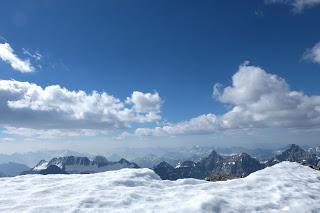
285, 187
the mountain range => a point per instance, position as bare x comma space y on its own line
31, 158
240, 165
214, 166
78, 165
12, 169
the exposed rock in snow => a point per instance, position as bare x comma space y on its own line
285, 187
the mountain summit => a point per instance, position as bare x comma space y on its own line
295, 154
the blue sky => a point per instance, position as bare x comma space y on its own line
173, 52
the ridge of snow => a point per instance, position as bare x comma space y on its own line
285, 187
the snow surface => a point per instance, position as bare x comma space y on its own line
40, 166
77, 169
285, 187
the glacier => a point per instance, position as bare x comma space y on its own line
285, 187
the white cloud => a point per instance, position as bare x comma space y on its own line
258, 99
27, 105
313, 54
7, 55
297, 5
36, 55
199, 125
7, 139
145, 102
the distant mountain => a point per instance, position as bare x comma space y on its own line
234, 166
151, 160
258, 153
78, 165
294, 153
240, 165
166, 171
315, 151
215, 166
12, 169
31, 158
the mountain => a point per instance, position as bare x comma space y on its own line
240, 165
151, 160
52, 169
212, 163
79, 165
190, 169
166, 171
31, 158
12, 169
258, 153
294, 153
234, 166
315, 151
285, 187
2, 175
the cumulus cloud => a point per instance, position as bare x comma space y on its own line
27, 105
313, 54
145, 102
7, 55
257, 99
202, 124
297, 5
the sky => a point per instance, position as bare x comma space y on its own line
94, 76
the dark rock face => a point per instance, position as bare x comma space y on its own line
295, 154
213, 165
52, 169
70, 160
101, 161
190, 169
131, 164
166, 171
240, 165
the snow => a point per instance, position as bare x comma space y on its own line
42, 165
76, 169
285, 187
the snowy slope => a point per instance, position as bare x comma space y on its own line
285, 187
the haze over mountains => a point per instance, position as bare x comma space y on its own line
210, 166
12, 169
239, 165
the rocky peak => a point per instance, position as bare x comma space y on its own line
100, 161
295, 153
166, 171
211, 162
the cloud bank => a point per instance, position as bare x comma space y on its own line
258, 99
26, 106
297, 5
7, 55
